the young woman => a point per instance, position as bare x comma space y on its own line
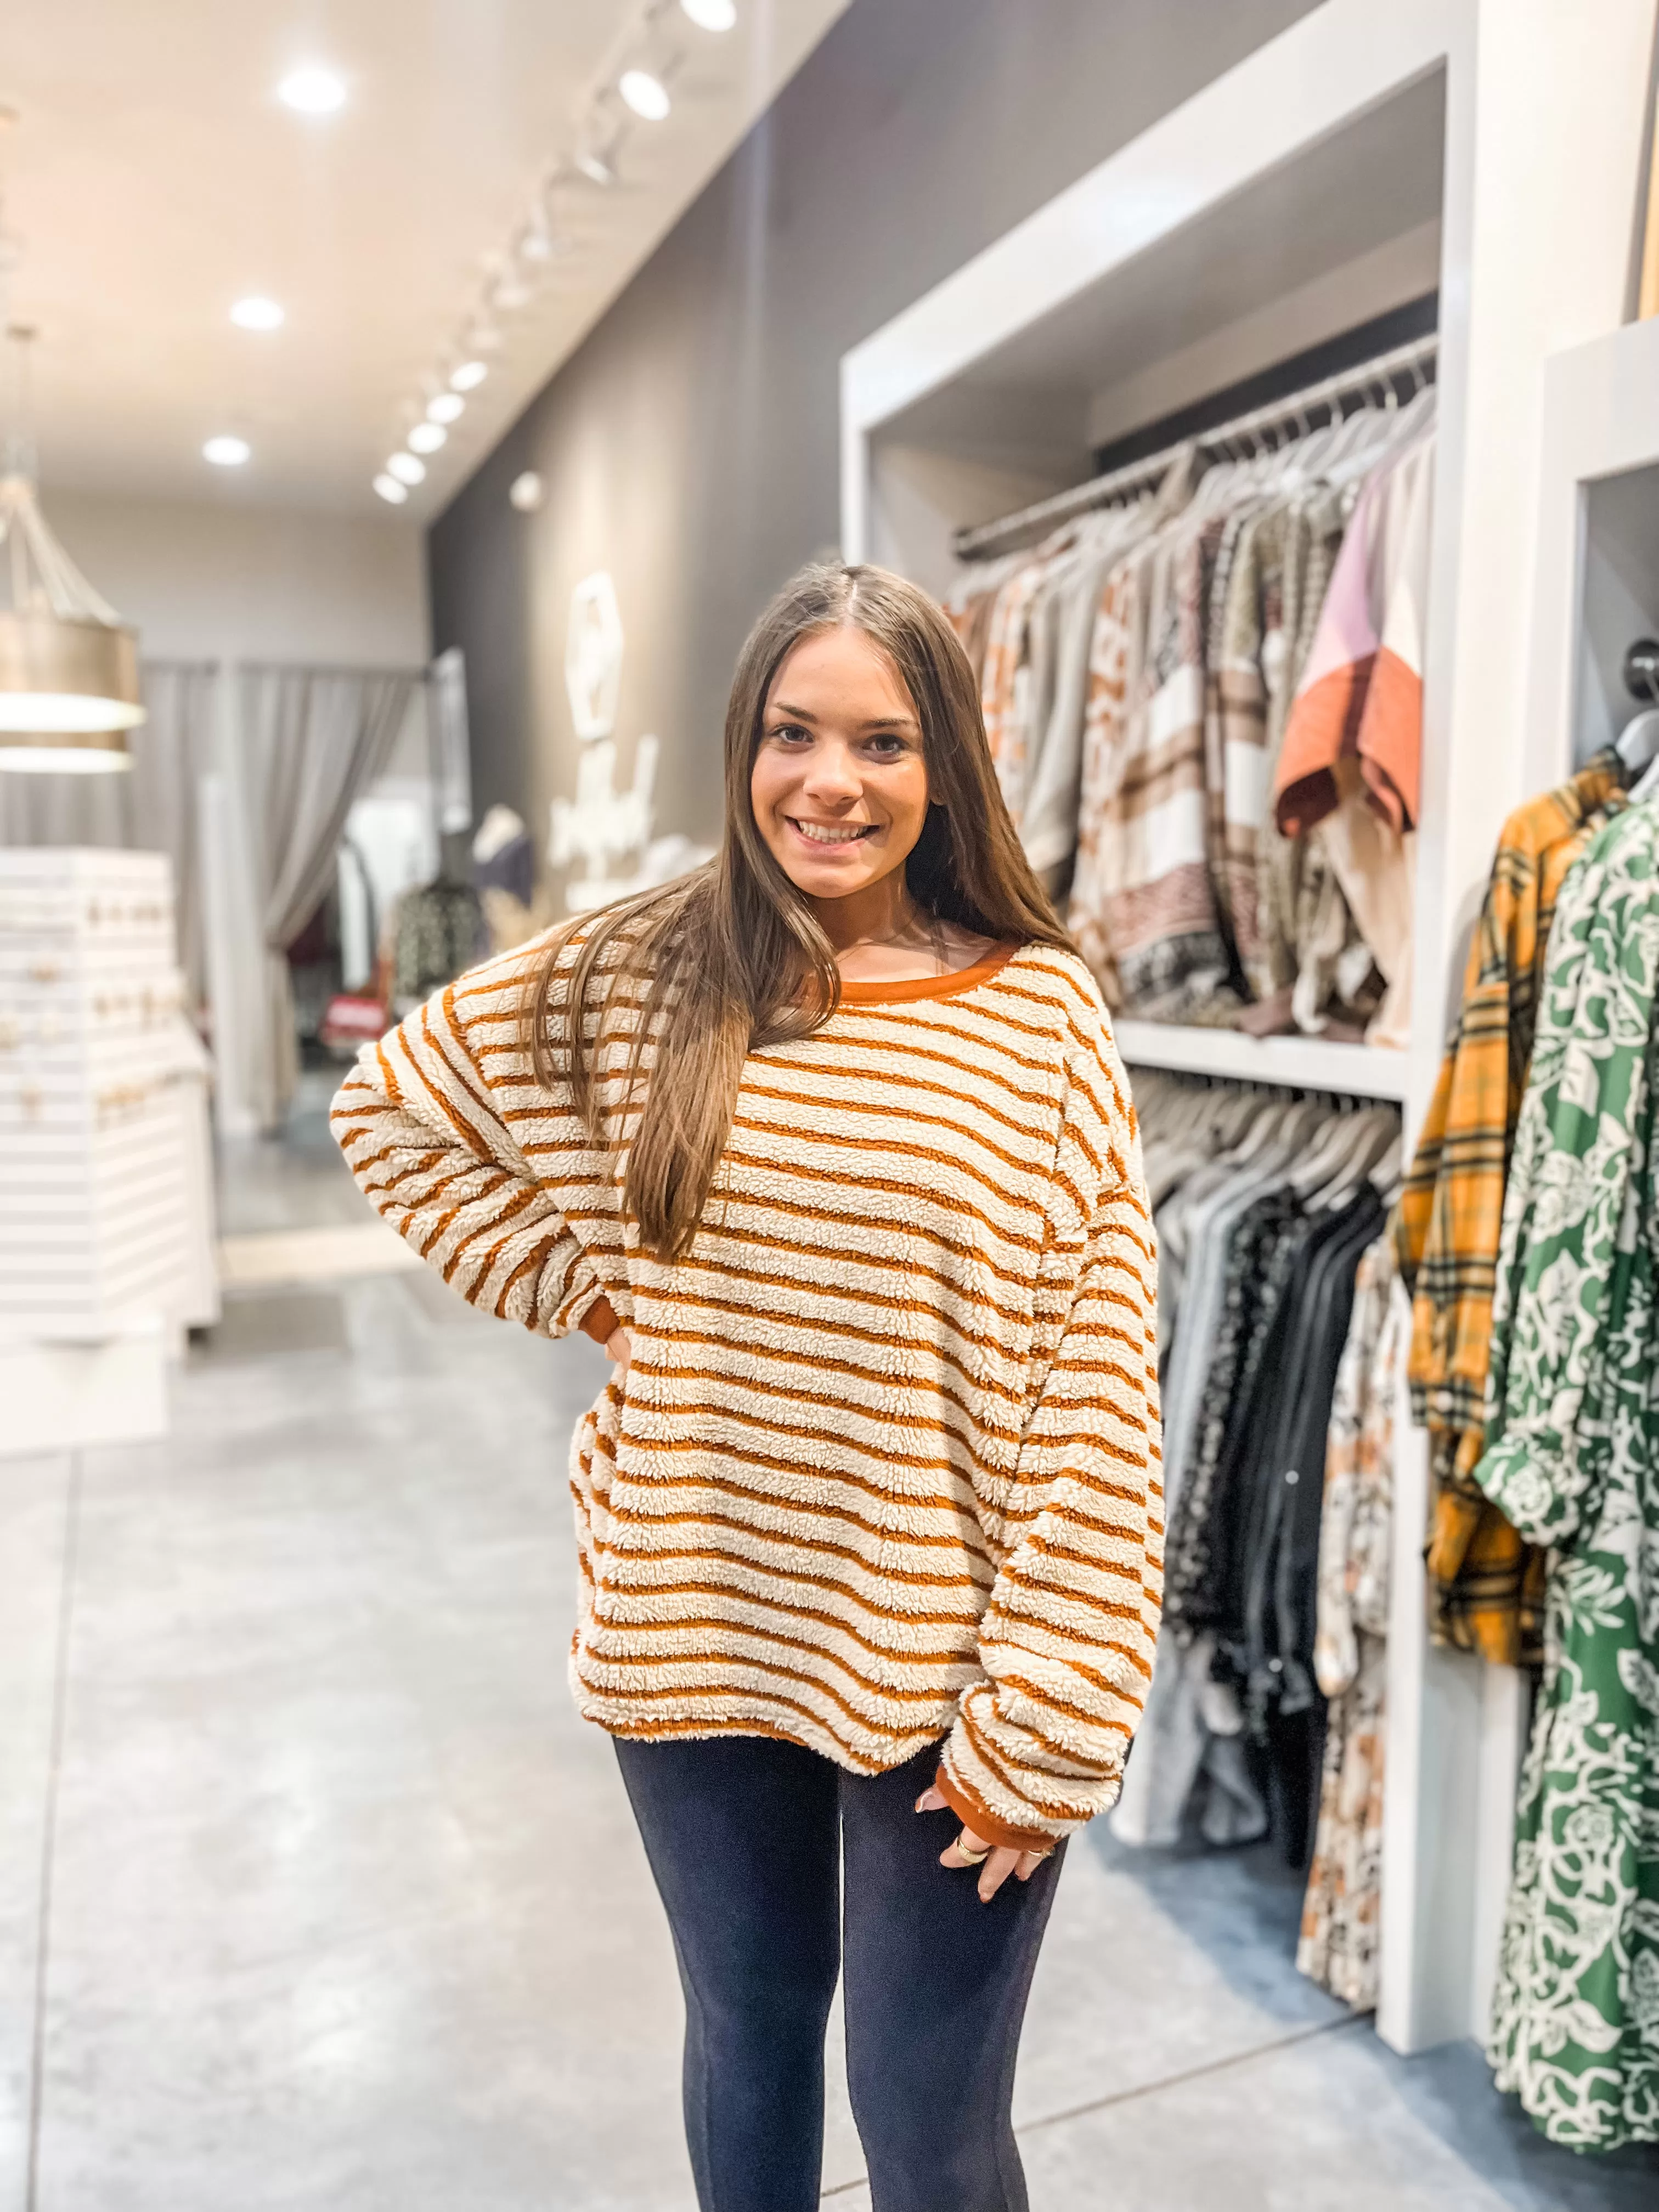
829, 1145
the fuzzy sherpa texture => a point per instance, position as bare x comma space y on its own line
884, 1466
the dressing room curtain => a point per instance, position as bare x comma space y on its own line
151, 808
304, 745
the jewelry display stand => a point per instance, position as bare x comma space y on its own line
106, 1242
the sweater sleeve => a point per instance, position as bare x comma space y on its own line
1067, 1639
422, 1133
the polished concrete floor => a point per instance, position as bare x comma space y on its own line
314, 1892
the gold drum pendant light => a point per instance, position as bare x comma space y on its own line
68, 665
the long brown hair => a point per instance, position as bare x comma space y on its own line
730, 958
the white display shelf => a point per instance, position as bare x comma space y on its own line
1361, 1070
1598, 569
106, 1159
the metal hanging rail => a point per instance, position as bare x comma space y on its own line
1005, 535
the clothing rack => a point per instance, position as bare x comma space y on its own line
1269, 1092
1032, 523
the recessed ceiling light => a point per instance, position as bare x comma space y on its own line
258, 313
226, 453
390, 489
448, 407
711, 15
598, 168
509, 292
406, 468
468, 375
427, 437
312, 91
527, 492
646, 95
538, 243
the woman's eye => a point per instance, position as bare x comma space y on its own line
790, 733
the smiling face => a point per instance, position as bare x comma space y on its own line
839, 786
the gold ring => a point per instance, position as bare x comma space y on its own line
974, 1858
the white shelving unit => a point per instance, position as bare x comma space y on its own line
1304, 1063
1598, 567
107, 1249
1360, 159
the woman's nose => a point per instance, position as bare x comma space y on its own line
832, 772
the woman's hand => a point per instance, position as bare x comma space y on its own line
618, 1348
996, 1862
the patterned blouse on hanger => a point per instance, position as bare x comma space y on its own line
1572, 1459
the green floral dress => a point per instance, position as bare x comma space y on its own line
1572, 1459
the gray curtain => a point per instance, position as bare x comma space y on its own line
151, 808
307, 742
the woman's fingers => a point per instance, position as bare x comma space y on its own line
995, 1871
993, 1865
968, 1850
618, 1347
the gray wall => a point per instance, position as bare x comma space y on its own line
690, 446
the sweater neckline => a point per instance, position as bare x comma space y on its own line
880, 993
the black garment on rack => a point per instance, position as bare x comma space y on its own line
1272, 1661
1214, 1599
1246, 1549
1286, 1629
1256, 1269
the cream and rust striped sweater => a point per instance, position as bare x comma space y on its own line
884, 1468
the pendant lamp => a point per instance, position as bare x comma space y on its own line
68, 665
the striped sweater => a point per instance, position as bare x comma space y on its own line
883, 1468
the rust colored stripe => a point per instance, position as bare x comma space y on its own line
792, 1540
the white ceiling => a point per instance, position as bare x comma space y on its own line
155, 178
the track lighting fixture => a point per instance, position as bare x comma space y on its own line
647, 42
647, 95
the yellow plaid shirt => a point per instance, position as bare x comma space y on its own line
1487, 1586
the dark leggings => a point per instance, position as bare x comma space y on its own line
742, 1834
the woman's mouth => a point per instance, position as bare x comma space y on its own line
831, 834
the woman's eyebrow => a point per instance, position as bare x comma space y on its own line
878, 722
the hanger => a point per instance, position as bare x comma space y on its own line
1320, 1170
1388, 1176
1646, 785
1372, 1134
1266, 1126
1388, 436
1637, 745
